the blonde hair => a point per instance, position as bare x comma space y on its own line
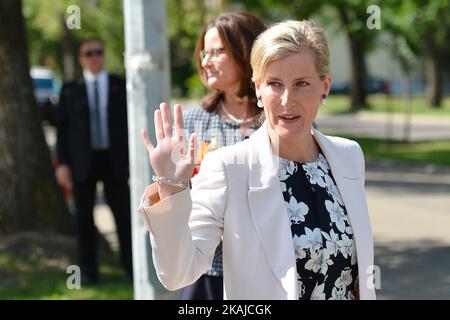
286, 38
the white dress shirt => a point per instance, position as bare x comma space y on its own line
102, 85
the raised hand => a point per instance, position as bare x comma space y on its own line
170, 158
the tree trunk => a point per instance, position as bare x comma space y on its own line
357, 92
29, 196
432, 73
358, 69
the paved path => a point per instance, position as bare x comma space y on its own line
410, 214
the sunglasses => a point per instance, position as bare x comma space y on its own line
91, 53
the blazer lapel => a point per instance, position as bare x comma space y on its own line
270, 217
349, 180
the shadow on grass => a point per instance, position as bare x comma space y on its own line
33, 266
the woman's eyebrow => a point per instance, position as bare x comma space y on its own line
304, 78
296, 79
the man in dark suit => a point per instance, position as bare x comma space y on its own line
93, 146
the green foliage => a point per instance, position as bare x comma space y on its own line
272, 10
407, 21
45, 22
187, 18
106, 21
195, 86
429, 18
414, 20
421, 30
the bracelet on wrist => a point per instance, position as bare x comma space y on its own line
164, 180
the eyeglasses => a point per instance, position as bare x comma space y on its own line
91, 53
212, 54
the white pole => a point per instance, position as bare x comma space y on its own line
148, 84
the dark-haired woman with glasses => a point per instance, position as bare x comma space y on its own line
229, 114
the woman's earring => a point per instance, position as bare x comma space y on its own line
324, 99
259, 103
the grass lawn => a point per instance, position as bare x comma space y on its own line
33, 266
434, 152
378, 103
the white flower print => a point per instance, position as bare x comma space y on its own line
311, 239
314, 174
345, 279
345, 246
349, 229
318, 242
326, 261
338, 293
333, 190
283, 186
300, 253
331, 242
317, 293
322, 163
297, 210
315, 262
336, 214
285, 170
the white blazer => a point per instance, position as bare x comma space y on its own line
237, 198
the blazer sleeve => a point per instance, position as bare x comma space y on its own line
363, 164
186, 227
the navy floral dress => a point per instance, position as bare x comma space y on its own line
323, 237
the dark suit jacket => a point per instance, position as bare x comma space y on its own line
74, 136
